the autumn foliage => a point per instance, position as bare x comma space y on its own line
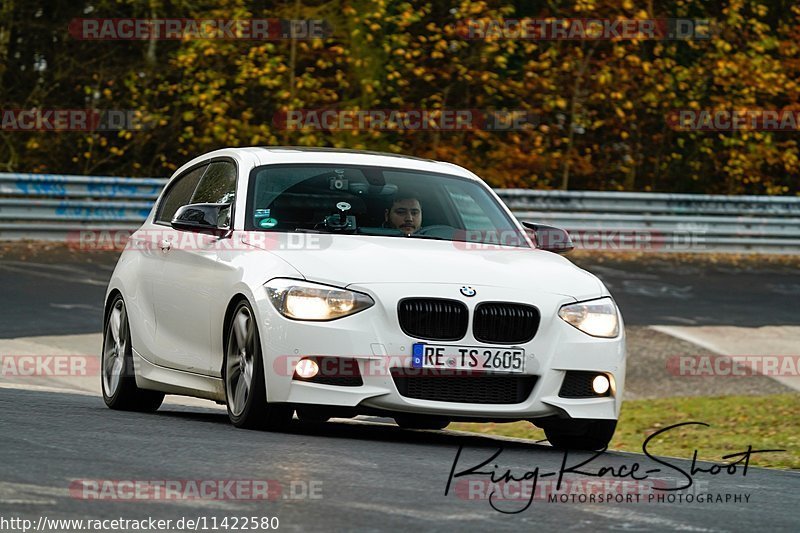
600, 105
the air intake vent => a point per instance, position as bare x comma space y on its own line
338, 371
483, 388
578, 384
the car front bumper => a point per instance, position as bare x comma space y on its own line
374, 339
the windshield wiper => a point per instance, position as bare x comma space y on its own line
393, 232
327, 231
382, 232
432, 237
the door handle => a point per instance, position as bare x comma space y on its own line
165, 246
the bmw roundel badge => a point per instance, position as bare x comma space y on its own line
468, 291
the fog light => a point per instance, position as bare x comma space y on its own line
600, 384
307, 368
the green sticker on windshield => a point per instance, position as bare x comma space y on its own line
268, 223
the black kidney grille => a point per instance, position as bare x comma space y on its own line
483, 388
433, 319
504, 322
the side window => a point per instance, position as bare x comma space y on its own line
179, 194
217, 186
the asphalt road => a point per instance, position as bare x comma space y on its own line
364, 476
53, 294
58, 293
676, 291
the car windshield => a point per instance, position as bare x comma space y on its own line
386, 202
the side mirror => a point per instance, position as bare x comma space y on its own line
550, 238
203, 218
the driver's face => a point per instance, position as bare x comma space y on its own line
405, 215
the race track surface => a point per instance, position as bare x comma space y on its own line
364, 476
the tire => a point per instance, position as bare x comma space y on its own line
117, 374
243, 376
421, 421
580, 434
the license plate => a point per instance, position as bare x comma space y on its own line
447, 357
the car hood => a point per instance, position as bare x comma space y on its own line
344, 260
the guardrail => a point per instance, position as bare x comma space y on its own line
665, 222
43, 206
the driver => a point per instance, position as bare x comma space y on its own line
405, 214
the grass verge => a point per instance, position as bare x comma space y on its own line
764, 422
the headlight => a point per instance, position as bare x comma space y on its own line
302, 300
598, 317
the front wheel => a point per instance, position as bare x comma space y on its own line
243, 374
118, 379
580, 434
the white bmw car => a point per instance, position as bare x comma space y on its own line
334, 283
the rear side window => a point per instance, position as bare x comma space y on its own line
179, 194
217, 186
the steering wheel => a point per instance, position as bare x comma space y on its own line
437, 230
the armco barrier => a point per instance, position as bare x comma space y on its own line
56, 186
43, 206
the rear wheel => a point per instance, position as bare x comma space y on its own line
118, 378
421, 421
580, 434
243, 374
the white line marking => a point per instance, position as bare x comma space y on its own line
626, 515
76, 306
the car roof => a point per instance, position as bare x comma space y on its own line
328, 150
310, 155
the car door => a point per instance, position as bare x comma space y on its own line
147, 241
192, 280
